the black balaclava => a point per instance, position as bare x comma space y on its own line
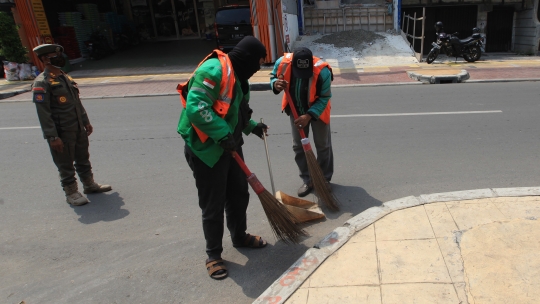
245, 57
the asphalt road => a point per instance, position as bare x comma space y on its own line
143, 243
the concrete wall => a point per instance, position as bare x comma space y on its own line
290, 29
324, 21
289, 6
527, 30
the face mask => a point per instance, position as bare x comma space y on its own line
59, 61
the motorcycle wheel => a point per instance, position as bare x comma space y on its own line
474, 54
432, 55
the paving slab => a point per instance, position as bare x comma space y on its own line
417, 253
502, 262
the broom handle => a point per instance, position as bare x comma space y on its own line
241, 163
293, 110
251, 178
268, 160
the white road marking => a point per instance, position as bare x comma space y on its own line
416, 114
19, 128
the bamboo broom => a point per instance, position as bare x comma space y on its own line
317, 176
282, 222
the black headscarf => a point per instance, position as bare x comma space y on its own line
245, 57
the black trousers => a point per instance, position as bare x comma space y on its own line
222, 189
74, 158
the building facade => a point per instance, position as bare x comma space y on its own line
508, 25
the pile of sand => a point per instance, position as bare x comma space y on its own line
359, 48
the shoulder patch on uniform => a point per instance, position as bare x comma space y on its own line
39, 97
209, 83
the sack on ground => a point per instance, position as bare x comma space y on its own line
25, 71
11, 70
35, 71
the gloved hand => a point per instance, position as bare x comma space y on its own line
227, 143
260, 129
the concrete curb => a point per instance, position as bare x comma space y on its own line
502, 80
5, 95
262, 86
298, 273
427, 78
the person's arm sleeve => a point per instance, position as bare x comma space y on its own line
274, 76
321, 103
84, 117
252, 124
75, 90
202, 95
42, 100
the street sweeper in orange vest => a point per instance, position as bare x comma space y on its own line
308, 80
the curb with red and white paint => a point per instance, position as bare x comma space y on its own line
300, 271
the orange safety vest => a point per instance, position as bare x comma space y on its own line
285, 69
226, 88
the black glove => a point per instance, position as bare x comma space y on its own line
227, 143
259, 129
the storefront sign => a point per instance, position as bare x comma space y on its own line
41, 19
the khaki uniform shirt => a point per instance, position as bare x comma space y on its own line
58, 105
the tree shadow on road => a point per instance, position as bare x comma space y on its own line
260, 270
102, 207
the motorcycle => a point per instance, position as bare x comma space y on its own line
469, 48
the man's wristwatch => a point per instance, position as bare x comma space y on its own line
52, 138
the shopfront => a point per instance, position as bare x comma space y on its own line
72, 22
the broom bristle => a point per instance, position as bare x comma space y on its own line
282, 221
319, 182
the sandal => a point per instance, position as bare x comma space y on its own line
252, 241
216, 269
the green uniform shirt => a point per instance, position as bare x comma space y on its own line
58, 105
202, 91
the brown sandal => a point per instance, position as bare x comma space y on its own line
252, 241
216, 269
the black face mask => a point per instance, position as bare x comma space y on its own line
58, 62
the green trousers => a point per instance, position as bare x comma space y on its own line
74, 158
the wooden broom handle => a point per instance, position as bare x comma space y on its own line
241, 163
293, 110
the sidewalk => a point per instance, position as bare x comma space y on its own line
13, 88
139, 83
479, 246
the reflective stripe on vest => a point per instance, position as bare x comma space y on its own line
226, 89
285, 69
